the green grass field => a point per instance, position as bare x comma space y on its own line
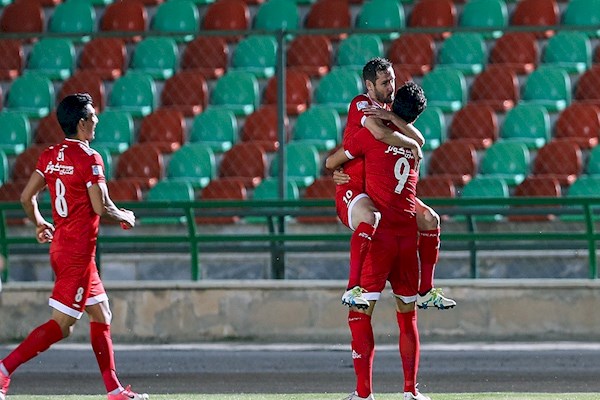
334, 396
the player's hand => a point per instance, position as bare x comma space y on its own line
378, 112
128, 220
417, 153
340, 178
44, 233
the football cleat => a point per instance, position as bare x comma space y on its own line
354, 298
355, 396
4, 382
127, 394
417, 396
435, 298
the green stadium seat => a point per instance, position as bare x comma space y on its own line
52, 57
216, 128
584, 186
3, 168
337, 89
73, 17
156, 56
485, 15
507, 160
15, 133
275, 15
318, 126
527, 123
571, 51
256, 54
32, 94
302, 161
193, 163
268, 189
106, 157
134, 92
581, 14
356, 50
593, 165
446, 88
168, 191
432, 125
464, 51
382, 15
114, 131
548, 86
483, 187
177, 17
236, 91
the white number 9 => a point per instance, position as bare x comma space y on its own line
401, 171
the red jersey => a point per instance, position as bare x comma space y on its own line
391, 180
69, 169
355, 121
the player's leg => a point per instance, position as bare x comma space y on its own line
363, 218
404, 280
98, 310
428, 222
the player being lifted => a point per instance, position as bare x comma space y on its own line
353, 205
391, 175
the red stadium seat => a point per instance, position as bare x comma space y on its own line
22, 17
246, 161
25, 163
579, 123
321, 188
455, 160
227, 15
537, 186
207, 55
433, 14
124, 190
84, 81
186, 92
11, 62
104, 56
518, 50
298, 90
414, 52
164, 129
476, 124
11, 191
436, 186
402, 75
588, 86
330, 14
497, 86
536, 13
223, 189
126, 17
49, 131
311, 54
142, 164
560, 159
261, 128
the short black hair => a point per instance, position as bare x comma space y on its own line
374, 66
410, 102
71, 110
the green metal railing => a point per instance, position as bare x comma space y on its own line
470, 225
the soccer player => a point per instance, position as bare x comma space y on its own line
354, 207
74, 174
391, 175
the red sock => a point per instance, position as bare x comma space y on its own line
429, 250
38, 341
409, 348
359, 244
103, 349
363, 351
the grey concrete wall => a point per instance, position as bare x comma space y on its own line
292, 310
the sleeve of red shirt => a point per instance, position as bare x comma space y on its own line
94, 172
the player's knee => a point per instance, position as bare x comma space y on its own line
428, 220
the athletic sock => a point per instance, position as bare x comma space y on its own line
363, 350
103, 349
359, 246
38, 341
429, 250
409, 348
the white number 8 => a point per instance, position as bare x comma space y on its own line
401, 171
60, 203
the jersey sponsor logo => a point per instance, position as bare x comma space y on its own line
97, 170
355, 355
58, 168
362, 105
400, 151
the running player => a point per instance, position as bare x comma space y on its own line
74, 174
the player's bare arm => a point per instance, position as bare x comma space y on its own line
379, 114
394, 138
336, 160
43, 228
104, 206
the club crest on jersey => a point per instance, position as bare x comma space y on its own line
60, 169
400, 151
96, 169
362, 104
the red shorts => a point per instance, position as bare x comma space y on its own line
345, 197
77, 283
391, 258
